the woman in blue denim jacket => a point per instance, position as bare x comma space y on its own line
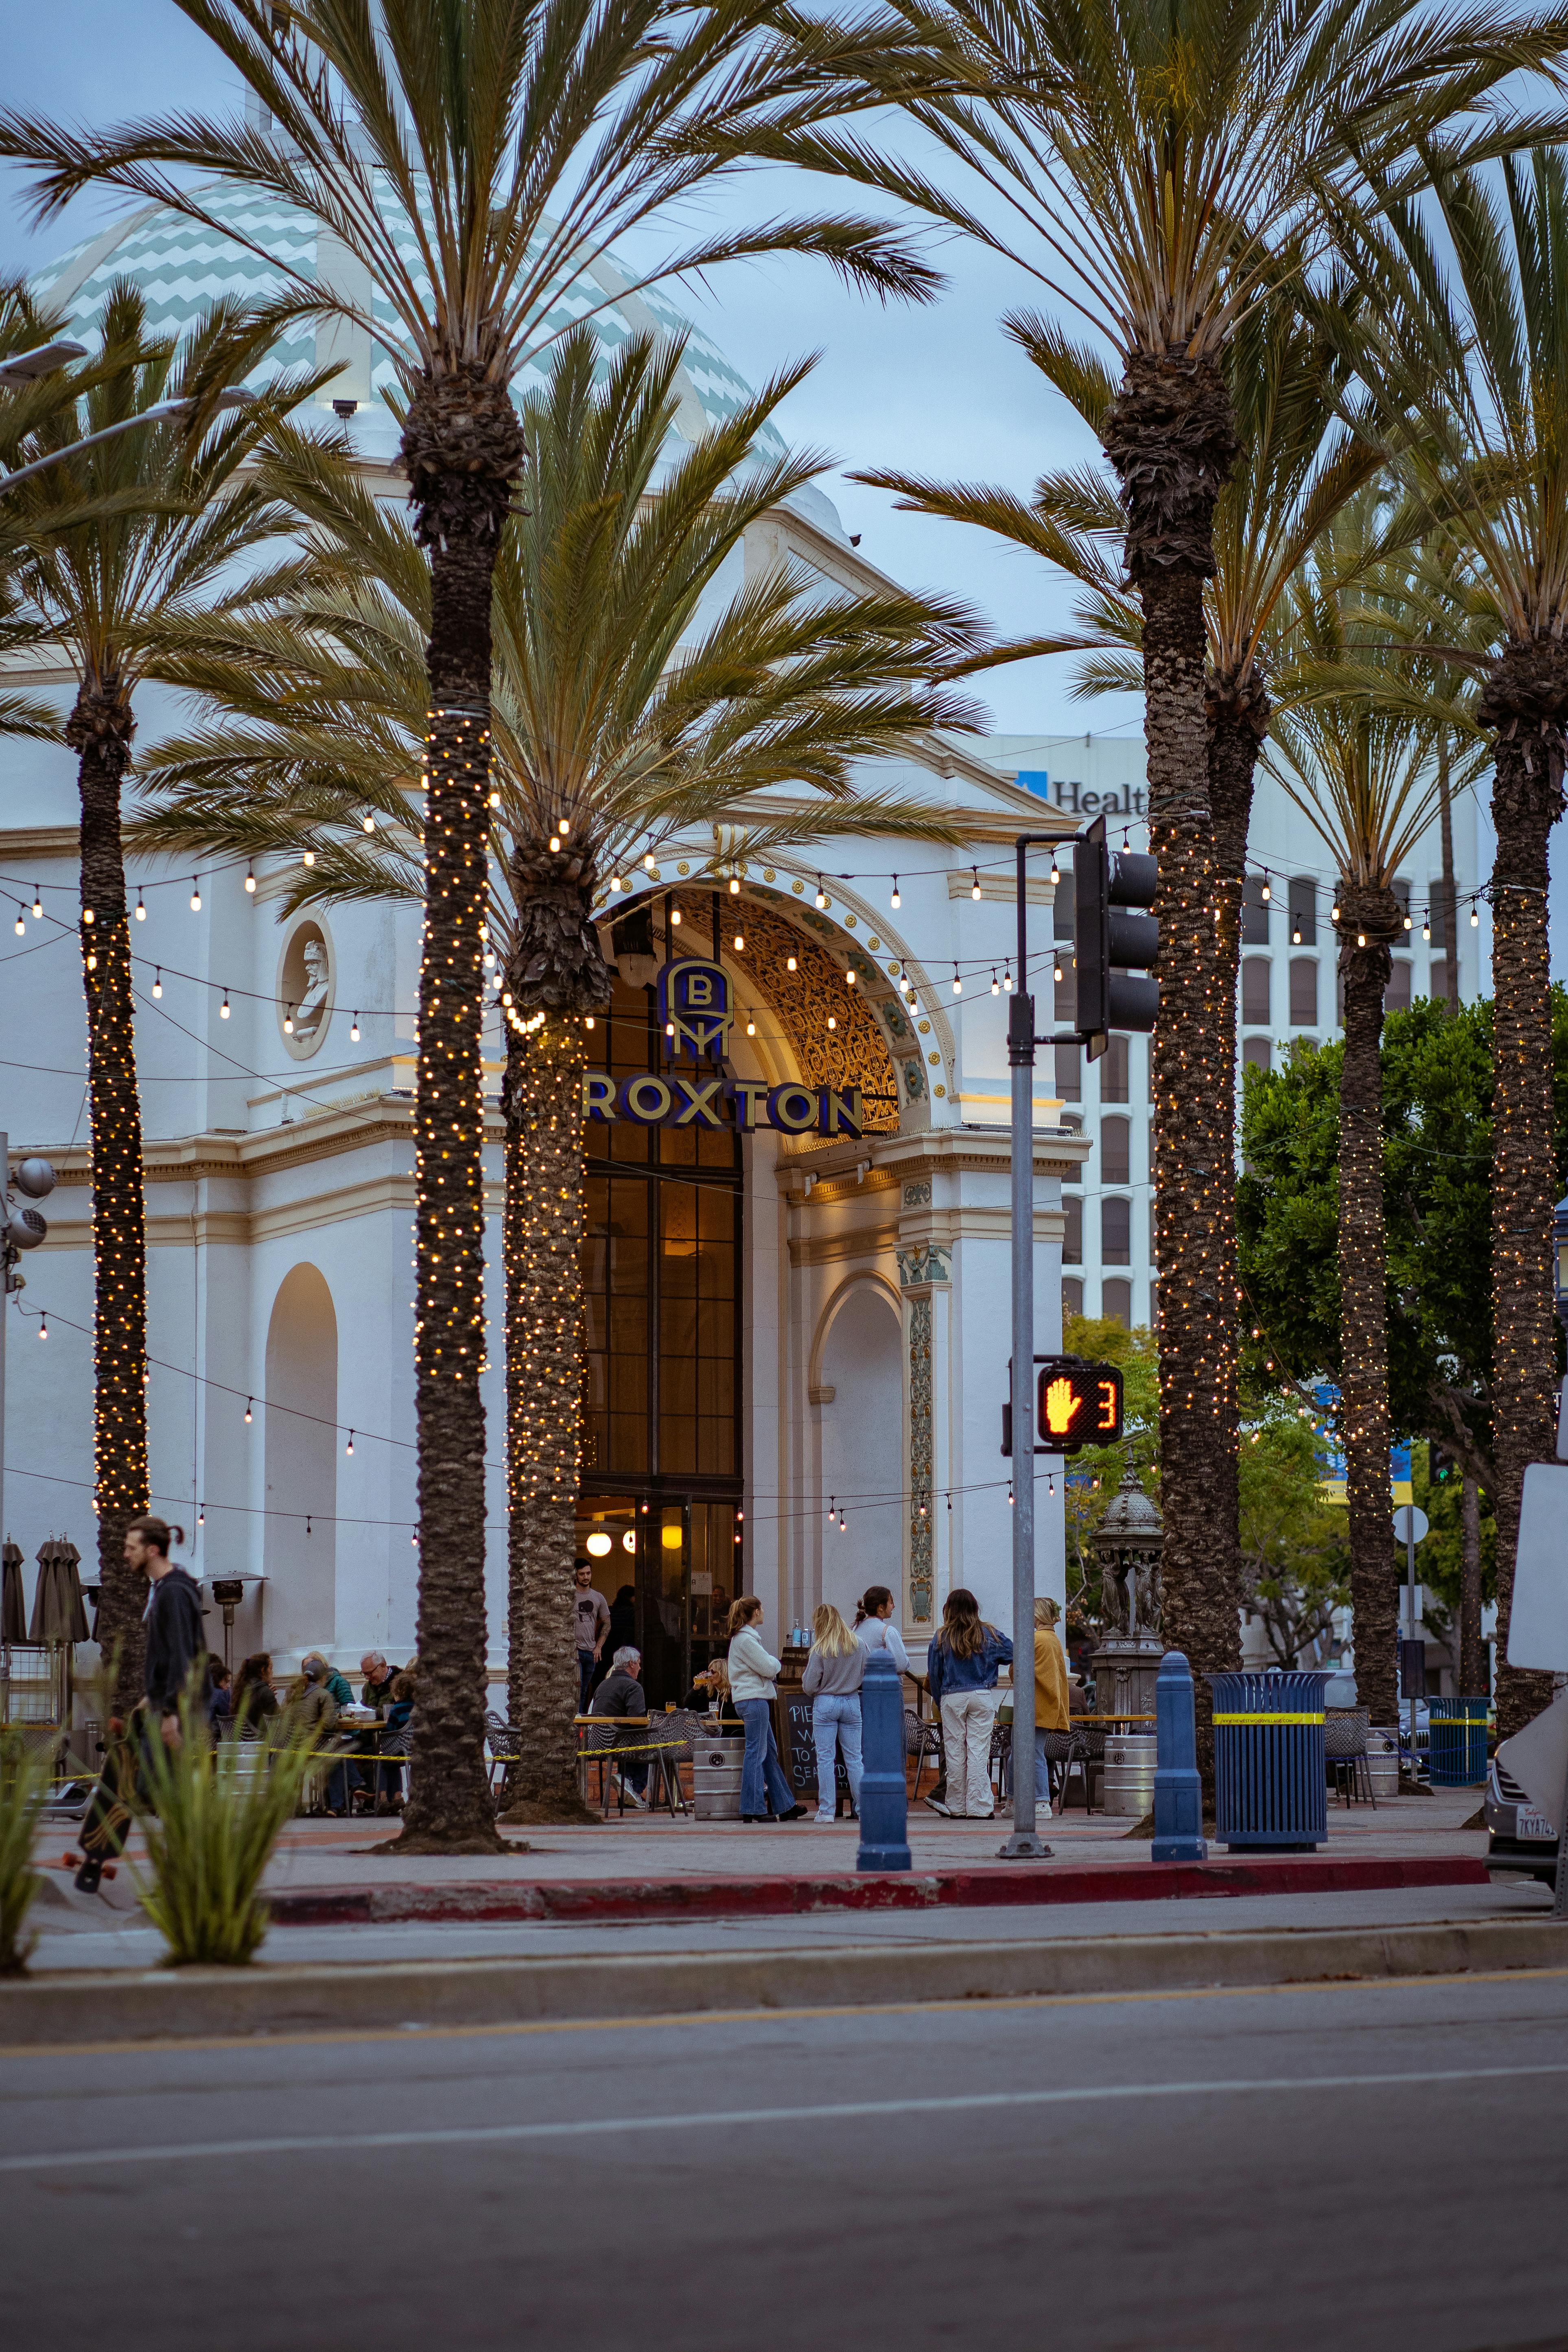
963, 1663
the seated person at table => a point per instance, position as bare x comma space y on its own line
398, 1717
338, 1685
379, 1678
621, 1693
253, 1696
712, 1682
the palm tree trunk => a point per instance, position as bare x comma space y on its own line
1363, 1302
545, 1343
462, 448
1237, 723
1448, 895
1472, 1650
1527, 800
99, 730
1170, 436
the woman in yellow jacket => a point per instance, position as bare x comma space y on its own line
1051, 1705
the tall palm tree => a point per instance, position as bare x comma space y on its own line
1299, 465
1140, 164
625, 718
471, 157
133, 549
1464, 342
1359, 760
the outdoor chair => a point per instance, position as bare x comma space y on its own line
505, 1744
394, 1748
922, 1738
1344, 1752
605, 1739
1060, 1752
1085, 1757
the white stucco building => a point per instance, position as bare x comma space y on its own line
778, 1323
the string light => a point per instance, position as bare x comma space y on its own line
833, 1021
821, 899
894, 901
157, 980
957, 981
848, 980
350, 1446
789, 963
308, 858
289, 1021
20, 927
87, 915
140, 909
368, 820
617, 883
735, 885
1426, 926
196, 896
740, 943
248, 1402
1008, 980
554, 841
38, 905
1475, 919
1267, 893
751, 1026
353, 1031
674, 916
995, 983
974, 887
223, 1008
648, 860
1056, 873
43, 1326
250, 880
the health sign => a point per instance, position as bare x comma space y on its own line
1077, 1404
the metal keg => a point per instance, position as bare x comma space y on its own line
716, 1777
1382, 1763
1129, 1760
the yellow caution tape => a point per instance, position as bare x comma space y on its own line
1268, 1718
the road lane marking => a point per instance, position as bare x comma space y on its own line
842, 2111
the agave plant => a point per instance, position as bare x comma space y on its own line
24, 1772
626, 716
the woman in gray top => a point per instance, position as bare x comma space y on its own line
875, 1628
832, 1683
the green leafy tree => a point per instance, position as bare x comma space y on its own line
134, 550
626, 716
1295, 1559
466, 158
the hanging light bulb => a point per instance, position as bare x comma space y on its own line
751, 1026
974, 885
201, 1515
1056, 870
617, 883
735, 885
833, 1021
43, 1324
957, 982
821, 899
588, 1021
248, 1402
1008, 980
353, 1032
740, 942
20, 925
848, 980
555, 841
675, 915
995, 983
1361, 939
789, 963
250, 880
648, 860
37, 906
1267, 891
563, 827
1426, 926
894, 902
1056, 968
1334, 912
140, 909
495, 802
289, 1021
832, 1506
1296, 938
196, 896
1475, 919
87, 914
350, 1446
1407, 925
158, 979
223, 1008
669, 1028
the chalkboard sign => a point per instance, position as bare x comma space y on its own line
797, 1750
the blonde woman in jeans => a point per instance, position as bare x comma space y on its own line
832, 1683
962, 1664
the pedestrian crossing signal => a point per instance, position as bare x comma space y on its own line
1077, 1403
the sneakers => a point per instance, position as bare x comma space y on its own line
937, 1806
825, 1821
791, 1812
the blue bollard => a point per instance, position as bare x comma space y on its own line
884, 1800
1178, 1791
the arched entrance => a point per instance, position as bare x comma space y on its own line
300, 1609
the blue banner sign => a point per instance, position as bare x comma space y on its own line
697, 1009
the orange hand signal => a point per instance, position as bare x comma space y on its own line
1061, 1406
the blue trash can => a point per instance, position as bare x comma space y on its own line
1457, 1742
1270, 1778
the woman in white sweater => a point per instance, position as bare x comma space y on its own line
764, 1792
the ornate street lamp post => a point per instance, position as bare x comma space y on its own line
1129, 1542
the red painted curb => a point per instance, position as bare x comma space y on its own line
995, 1884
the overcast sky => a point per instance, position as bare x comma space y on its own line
937, 391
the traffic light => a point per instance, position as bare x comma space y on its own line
1115, 946
1440, 1464
1077, 1403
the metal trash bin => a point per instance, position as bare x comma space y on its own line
1270, 1776
716, 1777
1457, 1750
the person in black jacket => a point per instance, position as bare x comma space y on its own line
621, 1693
174, 1643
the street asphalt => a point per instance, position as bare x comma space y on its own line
1354, 2166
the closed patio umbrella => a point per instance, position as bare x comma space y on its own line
59, 1613
13, 1620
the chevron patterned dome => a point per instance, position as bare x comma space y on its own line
182, 267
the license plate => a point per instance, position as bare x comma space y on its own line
1528, 1823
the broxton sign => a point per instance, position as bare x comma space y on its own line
697, 1008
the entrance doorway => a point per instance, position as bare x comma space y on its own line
669, 1570
660, 1520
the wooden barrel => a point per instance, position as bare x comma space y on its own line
716, 1777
